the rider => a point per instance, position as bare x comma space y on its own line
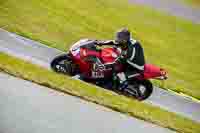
132, 55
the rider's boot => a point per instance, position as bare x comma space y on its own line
122, 79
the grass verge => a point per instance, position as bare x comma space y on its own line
193, 3
36, 74
168, 41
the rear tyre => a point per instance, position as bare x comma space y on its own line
63, 64
139, 89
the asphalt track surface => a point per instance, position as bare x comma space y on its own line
42, 55
173, 7
26, 107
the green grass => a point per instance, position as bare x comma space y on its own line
28, 71
193, 3
170, 42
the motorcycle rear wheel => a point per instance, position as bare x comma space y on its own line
63, 64
139, 89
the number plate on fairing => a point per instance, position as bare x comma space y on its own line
97, 74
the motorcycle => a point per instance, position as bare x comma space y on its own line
95, 65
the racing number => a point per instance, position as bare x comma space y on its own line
98, 74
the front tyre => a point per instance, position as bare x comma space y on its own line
139, 89
63, 64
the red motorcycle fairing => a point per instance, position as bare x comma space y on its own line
106, 56
109, 55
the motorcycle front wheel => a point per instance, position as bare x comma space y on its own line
139, 89
63, 64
